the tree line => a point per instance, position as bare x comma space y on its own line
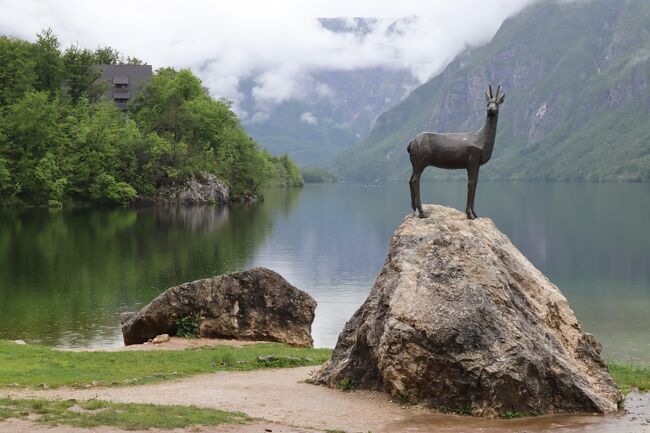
59, 141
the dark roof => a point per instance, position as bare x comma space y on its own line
133, 73
124, 81
121, 93
121, 79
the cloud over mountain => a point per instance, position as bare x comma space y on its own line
277, 44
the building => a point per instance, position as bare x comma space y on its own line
123, 82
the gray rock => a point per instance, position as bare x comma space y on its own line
203, 189
459, 319
257, 304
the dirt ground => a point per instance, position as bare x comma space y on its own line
174, 343
287, 404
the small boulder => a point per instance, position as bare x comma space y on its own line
257, 304
459, 319
20, 342
159, 339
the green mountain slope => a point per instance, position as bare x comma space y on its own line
577, 107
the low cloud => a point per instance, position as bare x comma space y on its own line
309, 118
279, 45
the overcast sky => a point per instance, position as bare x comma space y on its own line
276, 42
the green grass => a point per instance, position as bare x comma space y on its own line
93, 413
630, 377
38, 366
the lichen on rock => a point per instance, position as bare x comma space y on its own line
459, 319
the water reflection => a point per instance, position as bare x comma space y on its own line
65, 276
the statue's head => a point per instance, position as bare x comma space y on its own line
494, 100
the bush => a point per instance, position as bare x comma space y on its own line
106, 190
188, 326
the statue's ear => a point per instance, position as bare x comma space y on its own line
502, 98
487, 97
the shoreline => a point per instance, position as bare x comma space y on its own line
282, 397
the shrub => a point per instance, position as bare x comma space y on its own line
188, 326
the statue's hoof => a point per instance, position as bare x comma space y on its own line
422, 215
470, 216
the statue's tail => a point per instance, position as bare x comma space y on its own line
408, 148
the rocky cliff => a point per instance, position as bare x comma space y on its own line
576, 76
459, 319
205, 188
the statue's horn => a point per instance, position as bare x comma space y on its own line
490, 87
498, 90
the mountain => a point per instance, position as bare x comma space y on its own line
314, 129
577, 107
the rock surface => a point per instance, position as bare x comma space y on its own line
159, 339
460, 320
203, 189
257, 304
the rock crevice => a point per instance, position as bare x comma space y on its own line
459, 319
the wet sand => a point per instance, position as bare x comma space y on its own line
281, 397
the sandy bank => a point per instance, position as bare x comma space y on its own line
280, 396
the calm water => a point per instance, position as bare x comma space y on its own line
66, 275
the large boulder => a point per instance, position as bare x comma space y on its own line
458, 319
257, 304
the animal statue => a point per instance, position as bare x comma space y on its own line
469, 151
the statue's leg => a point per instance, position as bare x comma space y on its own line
412, 187
472, 173
415, 186
474, 192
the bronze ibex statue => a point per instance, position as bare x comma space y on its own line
468, 150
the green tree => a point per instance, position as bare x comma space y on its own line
104, 142
179, 109
56, 145
159, 107
107, 56
80, 76
34, 127
134, 61
17, 75
5, 173
48, 63
105, 189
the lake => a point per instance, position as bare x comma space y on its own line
66, 275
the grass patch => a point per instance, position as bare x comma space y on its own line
346, 384
463, 410
629, 377
511, 414
403, 398
39, 366
94, 413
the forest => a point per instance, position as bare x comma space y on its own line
60, 142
